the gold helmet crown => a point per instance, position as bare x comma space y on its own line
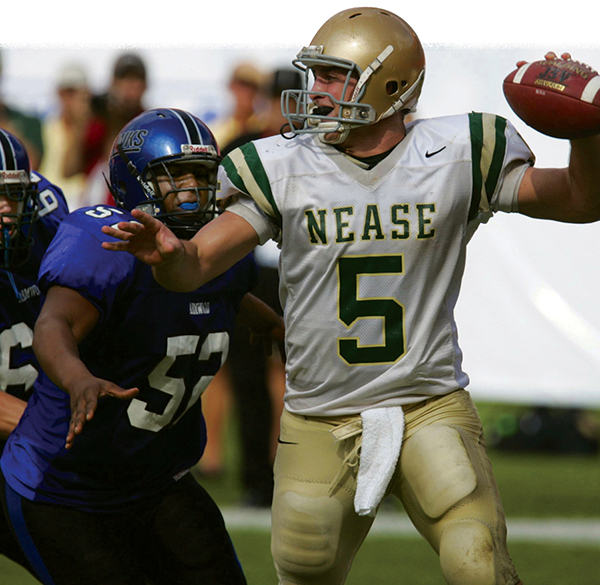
376, 46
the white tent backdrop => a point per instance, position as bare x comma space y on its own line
529, 314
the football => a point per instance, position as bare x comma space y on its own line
558, 97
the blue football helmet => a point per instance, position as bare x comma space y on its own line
19, 211
148, 156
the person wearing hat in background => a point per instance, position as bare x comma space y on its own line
25, 126
90, 144
244, 85
269, 120
73, 94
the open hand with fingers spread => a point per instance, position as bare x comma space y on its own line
148, 239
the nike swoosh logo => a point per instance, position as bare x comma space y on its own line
430, 154
285, 442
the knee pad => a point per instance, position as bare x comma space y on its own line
467, 555
306, 532
438, 469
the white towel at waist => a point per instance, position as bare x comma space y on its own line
382, 431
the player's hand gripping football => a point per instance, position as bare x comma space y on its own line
85, 394
556, 96
147, 238
549, 56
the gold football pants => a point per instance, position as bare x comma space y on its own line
444, 480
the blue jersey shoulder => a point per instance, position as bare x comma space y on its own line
77, 260
53, 207
52, 210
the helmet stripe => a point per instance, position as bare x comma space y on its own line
190, 126
9, 160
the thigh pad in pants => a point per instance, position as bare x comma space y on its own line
316, 532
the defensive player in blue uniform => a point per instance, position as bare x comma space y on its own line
30, 210
96, 474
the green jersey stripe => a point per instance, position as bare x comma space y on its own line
488, 149
495, 164
476, 128
233, 175
261, 192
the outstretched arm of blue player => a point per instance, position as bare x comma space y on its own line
266, 326
147, 238
64, 322
184, 265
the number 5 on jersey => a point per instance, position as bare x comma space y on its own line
351, 308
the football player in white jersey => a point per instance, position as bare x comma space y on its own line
373, 216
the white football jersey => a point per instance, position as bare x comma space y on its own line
371, 260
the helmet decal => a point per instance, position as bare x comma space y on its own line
132, 140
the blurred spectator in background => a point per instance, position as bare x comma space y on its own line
90, 146
26, 127
244, 85
257, 382
269, 120
74, 97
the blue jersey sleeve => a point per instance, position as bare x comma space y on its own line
52, 209
75, 258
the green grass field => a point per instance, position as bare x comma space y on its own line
532, 486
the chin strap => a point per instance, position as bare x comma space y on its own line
337, 136
134, 172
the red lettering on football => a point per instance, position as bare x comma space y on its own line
558, 97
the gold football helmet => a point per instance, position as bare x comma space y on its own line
380, 50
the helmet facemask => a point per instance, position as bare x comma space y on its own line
302, 111
16, 234
183, 205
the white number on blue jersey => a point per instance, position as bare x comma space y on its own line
100, 212
19, 334
48, 201
181, 345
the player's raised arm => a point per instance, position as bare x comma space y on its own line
184, 265
560, 98
66, 319
571, 194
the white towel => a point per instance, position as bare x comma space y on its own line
382, 433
